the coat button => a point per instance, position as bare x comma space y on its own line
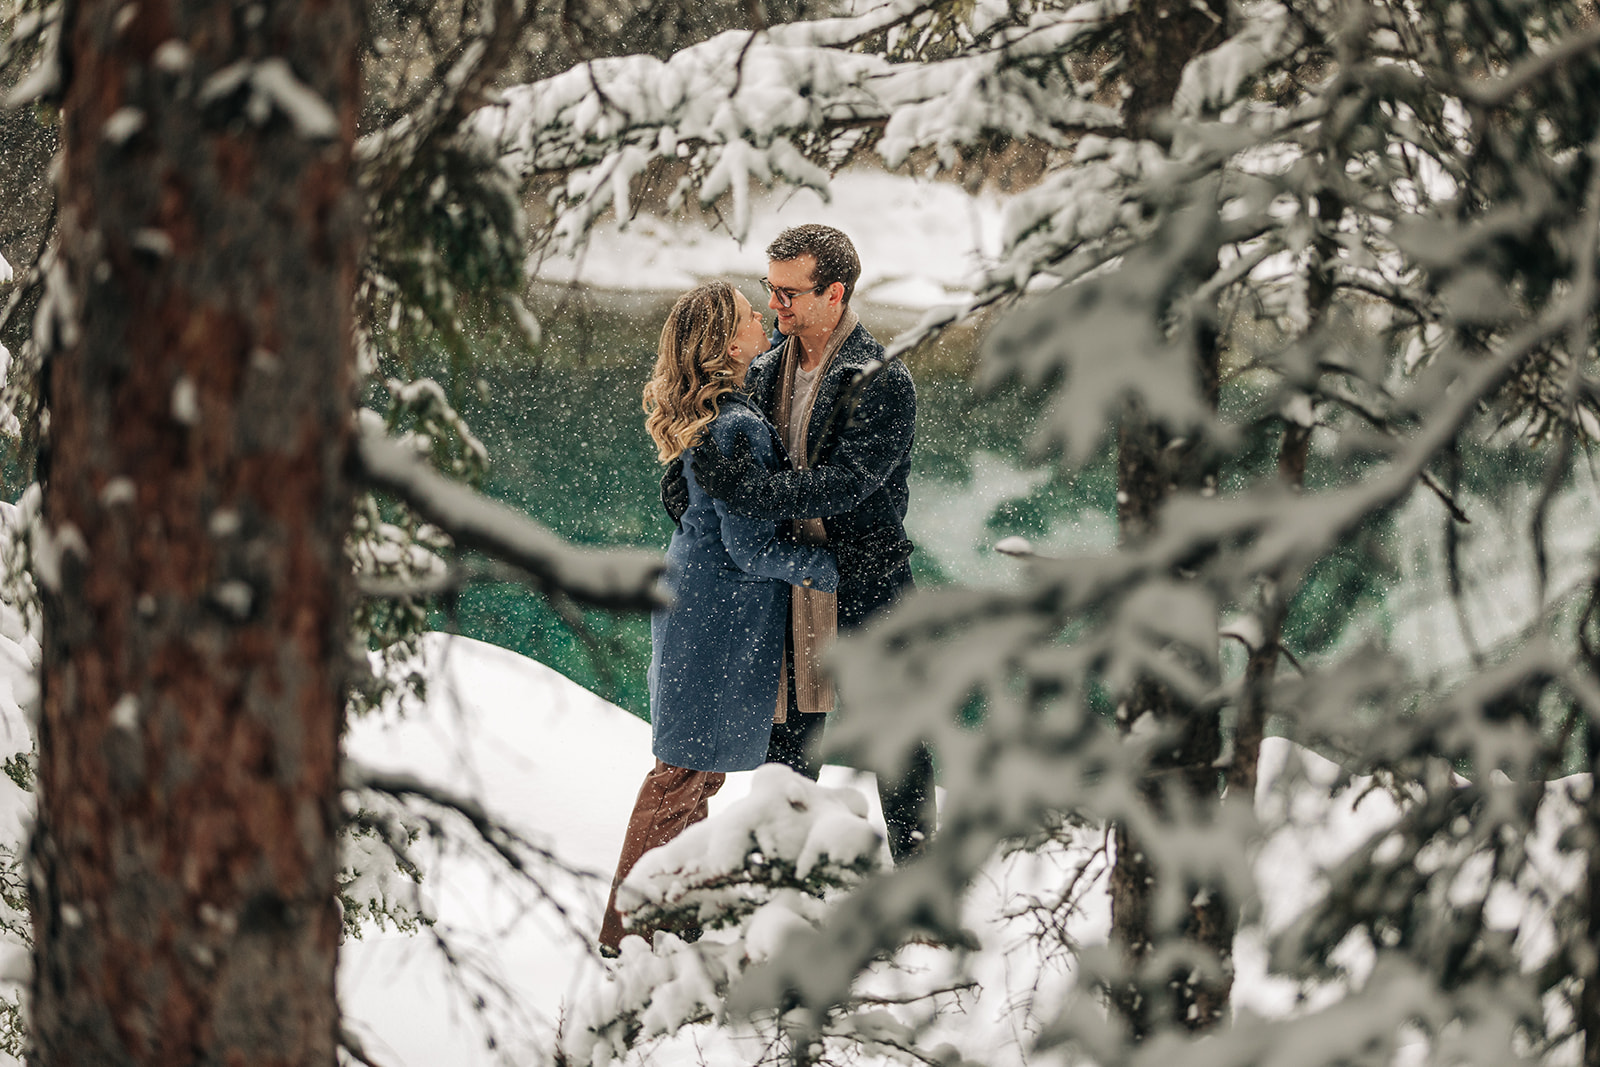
805, 581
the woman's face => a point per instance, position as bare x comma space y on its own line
749, 336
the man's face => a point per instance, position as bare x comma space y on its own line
806, 309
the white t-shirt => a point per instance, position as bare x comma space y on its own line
805, 387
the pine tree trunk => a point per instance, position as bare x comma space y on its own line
1162, 36
200, 390
1588, 969
1294, 450
1150, 469
1589, 998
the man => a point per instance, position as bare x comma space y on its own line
846, 487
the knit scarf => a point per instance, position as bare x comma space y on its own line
813, 614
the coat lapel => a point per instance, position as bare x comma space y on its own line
762, 382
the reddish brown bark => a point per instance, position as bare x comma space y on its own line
200, 395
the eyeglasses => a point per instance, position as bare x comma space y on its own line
786, 296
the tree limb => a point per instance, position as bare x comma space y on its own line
616, 579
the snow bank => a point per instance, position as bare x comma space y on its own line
564, 765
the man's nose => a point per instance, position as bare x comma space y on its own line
774, 303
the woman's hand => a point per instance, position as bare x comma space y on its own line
675, 491
727, 475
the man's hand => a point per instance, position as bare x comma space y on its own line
873, 555
675, 492
729, 475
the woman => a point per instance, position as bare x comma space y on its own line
716, 655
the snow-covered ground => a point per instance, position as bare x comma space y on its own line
563, 765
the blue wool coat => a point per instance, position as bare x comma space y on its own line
716, 655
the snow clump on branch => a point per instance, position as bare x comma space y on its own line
770, 864
736, 107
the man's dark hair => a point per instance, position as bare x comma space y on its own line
836, 256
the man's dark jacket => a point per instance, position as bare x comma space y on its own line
860, 463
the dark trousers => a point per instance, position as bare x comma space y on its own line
907, 804
671, 800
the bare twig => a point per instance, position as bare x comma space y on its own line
510, 846
1452, 556
1446, 497
913, 998
504, 842
1294, 661
1501, 90
738, 64
355, 1049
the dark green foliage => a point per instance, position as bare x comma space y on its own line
444, 262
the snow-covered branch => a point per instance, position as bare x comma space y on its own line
1493, 93
737, 105
458, 85
606, 578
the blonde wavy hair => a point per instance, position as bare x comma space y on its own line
693, 368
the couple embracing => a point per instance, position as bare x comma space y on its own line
790, 525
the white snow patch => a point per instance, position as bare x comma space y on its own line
185, 402
922, 244
310, 114
564, 766
122, 125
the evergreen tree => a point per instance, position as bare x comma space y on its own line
199, 377
197, 344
